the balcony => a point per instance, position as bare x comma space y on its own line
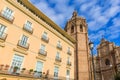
23, 45
10, 72
69, 52
58, 59
69, 63
59, 46
30, 30
8, 17
42, 52
45, 38
3, 36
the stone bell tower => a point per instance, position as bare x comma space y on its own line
77, 28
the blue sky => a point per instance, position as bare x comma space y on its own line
102, 16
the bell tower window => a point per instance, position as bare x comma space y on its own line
107, 62
81, 28
72, 29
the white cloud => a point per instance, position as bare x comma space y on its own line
112, 11
95, 36
96, 12
116, 21
59, 13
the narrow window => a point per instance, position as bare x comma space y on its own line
42, 49
59, 45
58, 55
68, 49
2, 30
72, 29
68, 60
24, 40
28, 25
56, 70
39, 67
68, 75
81, 28
45, 35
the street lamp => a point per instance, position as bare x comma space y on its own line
91, 45
111, 66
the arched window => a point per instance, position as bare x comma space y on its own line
81, 28
72, 29
107, 62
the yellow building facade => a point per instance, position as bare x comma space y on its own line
32, 45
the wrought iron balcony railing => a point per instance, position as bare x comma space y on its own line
45, 38
23, 44
58, 59
43, 52
3, 36
30, 30
59, 46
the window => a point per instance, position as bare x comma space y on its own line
2, 30
56, 70
16, 62
81, 28
68, 59
24, 40
39, 67
68, 51
8, 13
42, 49
107, 62
59, 45
68, 75
28, 25
58, 55
72, 29
45, 37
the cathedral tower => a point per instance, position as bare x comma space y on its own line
77, 28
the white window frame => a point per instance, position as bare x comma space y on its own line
69, 49
42, 48
59, 44
24, 43
57, 55
2, 29
56, 71
12, 66
45, 35
68, 60
28, 26
67, 75
37, 74
10, 15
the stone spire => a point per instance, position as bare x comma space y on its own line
74, 13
